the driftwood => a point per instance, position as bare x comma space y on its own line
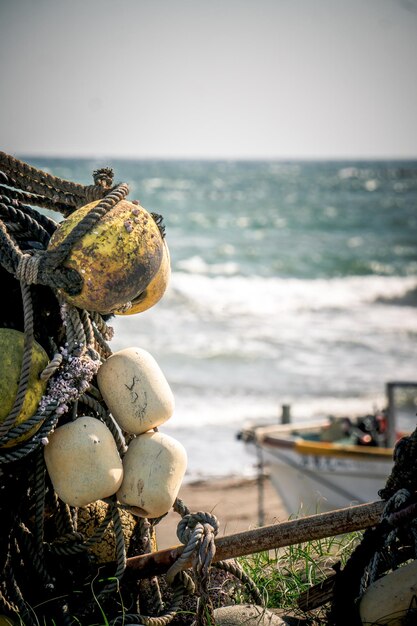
317, 595
267, 537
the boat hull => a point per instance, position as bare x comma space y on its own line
313, 483
312, 475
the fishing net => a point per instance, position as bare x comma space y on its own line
62, 564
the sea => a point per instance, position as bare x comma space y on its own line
293, 283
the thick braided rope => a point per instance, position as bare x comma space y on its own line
180, 507
88, 328
146, 531
52, 366
34, 177
101, 345
201, 566
23, 610
120, 546
192, 544
39, 489
17, 216
58, 255
26, 362
26, 543
9, 251
182, 585
63, 539
114, 583
40, 438
35, 200
57, 189
157, 603
27, 269
234, 568
197, 531
6, 606
25, 427
11, 258
62, 517
106, 331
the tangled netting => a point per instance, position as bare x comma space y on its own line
386, 546
50, 572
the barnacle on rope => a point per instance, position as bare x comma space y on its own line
72, 380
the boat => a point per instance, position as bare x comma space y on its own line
330, 463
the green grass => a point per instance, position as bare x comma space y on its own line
282, 575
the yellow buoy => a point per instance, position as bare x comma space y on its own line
117, 259
135, 390
153, 468
11, 356
83, 462
155, 290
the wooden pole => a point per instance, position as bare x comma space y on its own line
268, 537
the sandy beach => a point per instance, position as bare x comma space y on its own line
233, 500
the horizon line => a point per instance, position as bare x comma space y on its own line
305, 158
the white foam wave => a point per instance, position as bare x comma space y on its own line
263, 295
197, 265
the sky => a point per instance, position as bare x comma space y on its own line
253, 79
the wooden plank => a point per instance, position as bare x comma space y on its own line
268, 537
317, 595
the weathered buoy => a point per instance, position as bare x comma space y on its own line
135, 390
155, 290
92, 515
11, 356
388, 599
83, 462
153, 468
117, 258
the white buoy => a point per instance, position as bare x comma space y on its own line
153, 468
135, 390
388, 599
83, 462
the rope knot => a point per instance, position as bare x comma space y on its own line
189, 523
104, 177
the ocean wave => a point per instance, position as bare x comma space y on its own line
264, 296
197, 265
250, 335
